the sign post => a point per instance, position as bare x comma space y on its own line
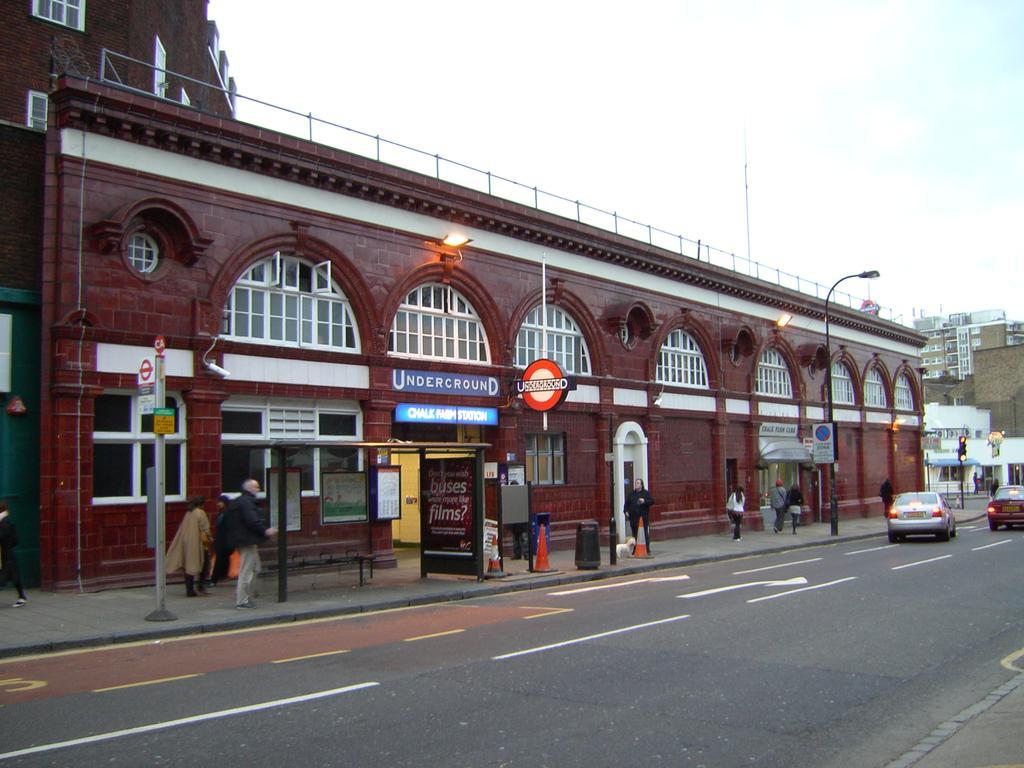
160, 613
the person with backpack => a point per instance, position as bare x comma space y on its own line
778, 499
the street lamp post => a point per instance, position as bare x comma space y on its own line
833, 504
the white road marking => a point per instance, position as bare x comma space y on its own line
598, 636
873, 549
773, 567
919, 562
731, 587
578, 590
183, 721
802, 589
994, 544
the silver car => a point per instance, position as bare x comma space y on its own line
922, 512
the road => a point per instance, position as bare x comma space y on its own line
841, 655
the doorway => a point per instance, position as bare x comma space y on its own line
405, 531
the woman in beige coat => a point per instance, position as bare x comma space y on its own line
190, 548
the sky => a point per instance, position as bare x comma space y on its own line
832, 137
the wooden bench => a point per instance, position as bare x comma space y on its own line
327, 559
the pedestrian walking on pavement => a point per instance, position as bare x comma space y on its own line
795, 500
190, 548
638, 506
887, 494
245, 532
734, 507
778, 499
8, 562
221, 552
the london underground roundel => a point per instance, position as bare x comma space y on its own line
543, 385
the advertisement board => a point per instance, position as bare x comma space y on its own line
446, 499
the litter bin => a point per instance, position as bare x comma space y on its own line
588, 546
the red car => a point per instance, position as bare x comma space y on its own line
1006, 507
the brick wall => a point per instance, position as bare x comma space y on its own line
21, 226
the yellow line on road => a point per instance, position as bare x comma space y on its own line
547, 612
309, 656
1008, 662
436, 634
145, 682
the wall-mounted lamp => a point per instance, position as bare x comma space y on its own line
16, 407
211, 366
658, 398
784, 319
455, 240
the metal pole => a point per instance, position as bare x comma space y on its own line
282, 524
160, 613
961, 485
833, 504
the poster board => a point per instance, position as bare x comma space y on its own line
343, 497
451, 535
293, 505
386, 493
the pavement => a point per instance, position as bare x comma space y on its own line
54, 622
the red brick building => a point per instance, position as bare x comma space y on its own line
317, 278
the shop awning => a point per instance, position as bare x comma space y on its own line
784, 450
953, 463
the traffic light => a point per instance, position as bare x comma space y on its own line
961, 451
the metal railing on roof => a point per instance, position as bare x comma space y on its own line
373, 146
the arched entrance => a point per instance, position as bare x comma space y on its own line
629, 446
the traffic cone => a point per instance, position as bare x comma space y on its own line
641, 541
540, 560
494, 564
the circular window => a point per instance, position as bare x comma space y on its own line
143, 253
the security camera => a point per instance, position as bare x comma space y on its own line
216, 370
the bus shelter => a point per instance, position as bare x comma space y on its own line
451, 500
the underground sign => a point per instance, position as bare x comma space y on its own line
543, 385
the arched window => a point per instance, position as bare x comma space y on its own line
842, 385
284, 300
565, 343
904, 394
681, 362
874, 389
435, 322
773, 375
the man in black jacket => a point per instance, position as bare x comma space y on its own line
637, 508
245, 531
8, 564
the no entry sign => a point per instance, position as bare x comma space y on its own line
543, 385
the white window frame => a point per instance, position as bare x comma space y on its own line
454, 326
842, 385
136, 437
159, 68
681, 361
773, 378
37, 102
296, 421
904, 396
565, 342
58, 11
874, 389
184, 97
149, 260
269, 292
